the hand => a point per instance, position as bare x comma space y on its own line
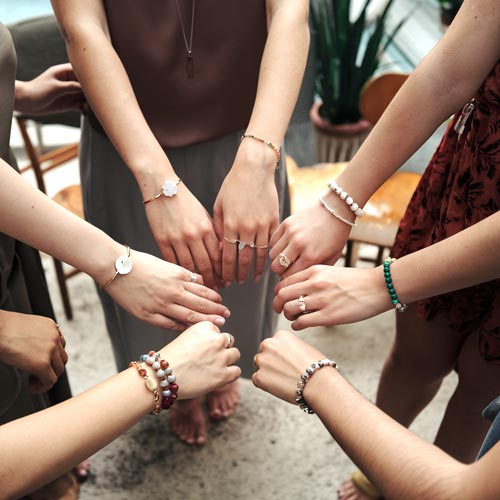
280, 362
201, 360
56, 89
311, 236
163, 295
247, 210
33, 344
332, 295
185, 234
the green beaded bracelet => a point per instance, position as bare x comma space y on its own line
400, 307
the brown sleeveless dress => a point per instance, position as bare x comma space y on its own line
460, 187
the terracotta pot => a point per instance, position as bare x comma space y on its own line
337, 142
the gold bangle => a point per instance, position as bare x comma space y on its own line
267, 143
123, 265
151, 385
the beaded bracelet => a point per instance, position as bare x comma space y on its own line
390, 286
335, 188
167, 379
267, 143
151, 385
335, 214
304, 379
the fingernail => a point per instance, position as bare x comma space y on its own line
240, 282
227, 313
219, 321
227, 283
257, 278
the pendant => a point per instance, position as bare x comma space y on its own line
190, 66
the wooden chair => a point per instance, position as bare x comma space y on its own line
69, 197
384, 210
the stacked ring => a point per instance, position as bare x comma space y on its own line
243, 244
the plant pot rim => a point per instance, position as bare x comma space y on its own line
342, 129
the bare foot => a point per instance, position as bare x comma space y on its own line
349, 491
81, 471
222, 402
187, 421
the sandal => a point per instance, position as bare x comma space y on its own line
363, 484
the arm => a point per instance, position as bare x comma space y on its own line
440, 85
53, 91
46, 444
155, 291
247, 204
33, 344
336, 295
189, 239
399, 464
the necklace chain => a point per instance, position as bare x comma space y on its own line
189, 46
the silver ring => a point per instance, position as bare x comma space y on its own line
229, 338
284, 261
302, 304
243, 244
193, 278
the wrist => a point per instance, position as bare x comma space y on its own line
21, 96
104, 261
257, 156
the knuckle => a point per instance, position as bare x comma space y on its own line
192, 317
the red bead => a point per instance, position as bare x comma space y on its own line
142, 372
173, 396
173, 387
151, 354
164, 364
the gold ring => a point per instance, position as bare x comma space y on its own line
284, 261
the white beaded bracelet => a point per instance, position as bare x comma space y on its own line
335, 188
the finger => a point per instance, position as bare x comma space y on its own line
299, 306
64, 355
275, 238
202, 262
46, 378
229, 254
184, 257
192, 277
188, 316
232, 356
316, 318
57, 363
300, 264
260, 255
61, 336
245, 257
284, 260
299, 277
202, 291
168, 254
233, 373
70, 87
203, 300
214, 251
290, 293
165, 322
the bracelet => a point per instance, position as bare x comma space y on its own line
267, 143
168, 189
151, 385
335, 214
304, 378
123, 265
390, 286
167, 379
335, 188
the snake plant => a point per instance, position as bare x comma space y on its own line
347, 54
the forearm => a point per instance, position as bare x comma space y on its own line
109, 91
399, 464
467, 258
28, 215
48, 443
281, 70
440, 85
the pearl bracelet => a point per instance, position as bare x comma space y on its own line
304, 378
355, 208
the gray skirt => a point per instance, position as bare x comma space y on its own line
113, 202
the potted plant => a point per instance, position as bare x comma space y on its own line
347, 55
449, 9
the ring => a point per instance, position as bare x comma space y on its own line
229, 338
302, 304
243, 244
193, 277
284, 261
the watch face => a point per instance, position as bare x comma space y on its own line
123, 264
169, 188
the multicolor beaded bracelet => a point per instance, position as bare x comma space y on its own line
167, 379
390, 286
304, 378
151, 385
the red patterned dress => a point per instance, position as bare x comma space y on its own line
460, 187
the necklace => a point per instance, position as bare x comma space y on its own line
189, 46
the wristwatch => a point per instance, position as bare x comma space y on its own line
123, 265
